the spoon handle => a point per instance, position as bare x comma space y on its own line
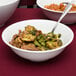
68, 7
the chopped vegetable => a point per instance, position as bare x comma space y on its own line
28, 37
33, 39
59, 7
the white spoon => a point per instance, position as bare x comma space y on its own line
68, 7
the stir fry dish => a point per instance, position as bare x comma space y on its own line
35, 40
59, 7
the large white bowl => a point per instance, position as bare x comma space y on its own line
70, 18
44, 25
7, 8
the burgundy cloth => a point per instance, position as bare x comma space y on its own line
27, 2
12, 65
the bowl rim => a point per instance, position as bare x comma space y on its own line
9, 3
52, 10
53, 50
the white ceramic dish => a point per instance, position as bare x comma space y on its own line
44, 25
70, 18
7, 8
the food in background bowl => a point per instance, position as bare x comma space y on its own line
33, 39
59, 7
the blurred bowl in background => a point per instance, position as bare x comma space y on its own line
70, 18
7, 8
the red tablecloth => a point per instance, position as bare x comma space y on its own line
13, 65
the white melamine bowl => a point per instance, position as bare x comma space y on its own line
7, 8
70, 18
44, 25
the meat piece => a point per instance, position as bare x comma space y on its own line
38, 32
30, 47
